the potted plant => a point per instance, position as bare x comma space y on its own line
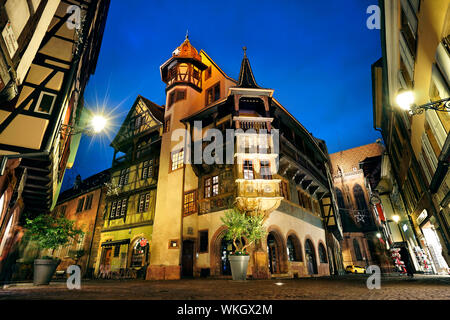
240, 226
49, 232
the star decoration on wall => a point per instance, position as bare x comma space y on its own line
360, 216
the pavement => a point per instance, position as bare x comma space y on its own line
347, 287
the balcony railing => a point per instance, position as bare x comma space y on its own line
255, 123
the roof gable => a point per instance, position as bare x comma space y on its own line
143, 116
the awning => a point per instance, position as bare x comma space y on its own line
115, 243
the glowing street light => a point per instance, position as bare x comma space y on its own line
379, 235
98, 123
406, 100
396, 218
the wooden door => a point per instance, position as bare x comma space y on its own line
187, 260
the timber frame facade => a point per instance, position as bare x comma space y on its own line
50, 100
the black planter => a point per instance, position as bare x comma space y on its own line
44, 269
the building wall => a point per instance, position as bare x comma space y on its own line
86, 221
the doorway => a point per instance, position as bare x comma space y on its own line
273, 254
187, 259
226, 249
310, 257
435, 248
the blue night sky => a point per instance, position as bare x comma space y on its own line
315, 54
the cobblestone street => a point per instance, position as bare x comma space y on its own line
346, 287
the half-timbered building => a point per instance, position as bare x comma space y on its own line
187, 234
36, 126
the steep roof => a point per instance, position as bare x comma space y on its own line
246, 77
93, 182
349, 159
156, 112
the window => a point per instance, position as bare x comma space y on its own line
45, 102
322, 254
113, 209
265, 170
88, 204
284, 190
166, 127
211, 186
213, 94
190, 199
124, 207
119, 209
176, 95
208, 73
358, 193
300, 199
143, 202
357, 250
123, 178
203, 245
80, 205
293, 248
138, 122
215, 186
248, 170
177, 160
147, 169
116, 251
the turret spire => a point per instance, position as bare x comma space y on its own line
246, 78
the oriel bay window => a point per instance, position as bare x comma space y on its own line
248, 170
189, 203
177, 160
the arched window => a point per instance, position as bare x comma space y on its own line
322, 254
358, 193
340, 199
293, 248
357, 250
139, 256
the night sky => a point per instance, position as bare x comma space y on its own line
315, 54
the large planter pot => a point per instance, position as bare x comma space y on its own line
44, 269
239, 266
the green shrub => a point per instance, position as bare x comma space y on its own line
241, 225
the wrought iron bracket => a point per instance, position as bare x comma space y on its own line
441, 105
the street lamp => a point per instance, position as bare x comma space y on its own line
406, 100
96, 125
